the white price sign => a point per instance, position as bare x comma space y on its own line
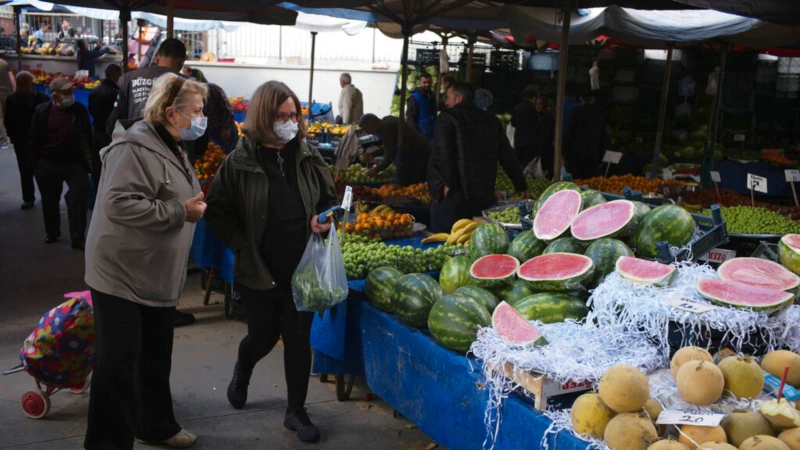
690, 306
715, 176
738, 137
792, 175
612, 157
347, 199
689, 417
756, 183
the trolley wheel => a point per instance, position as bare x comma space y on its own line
83, 386
344, 388
35, 403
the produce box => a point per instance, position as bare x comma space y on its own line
540, 386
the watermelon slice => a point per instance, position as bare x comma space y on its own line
556, 214
494, 271
758, 272
642, 271
512, 327
740, 295
606, 220
789, 252
557, 272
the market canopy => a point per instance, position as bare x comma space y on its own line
785, 12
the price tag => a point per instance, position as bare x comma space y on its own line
689, 417
666, 174
347, 199
738, 138
792, 175
718, 255
715, 176
81, 74
756, 183
612, 157
689, 305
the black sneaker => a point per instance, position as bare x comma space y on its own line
78, 245
182, 319
27, 205
50, 239
297, 420
237, 389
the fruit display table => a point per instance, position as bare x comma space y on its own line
734, 176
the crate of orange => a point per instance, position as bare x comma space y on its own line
206, 167
380, 225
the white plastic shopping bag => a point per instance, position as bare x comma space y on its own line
320, 282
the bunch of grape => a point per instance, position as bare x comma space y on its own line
749, 220
508, 215
362, 255
503, 182
537, 186
358, 174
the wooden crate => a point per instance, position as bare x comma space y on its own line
541, 386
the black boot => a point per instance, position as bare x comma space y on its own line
237, 389
297, 420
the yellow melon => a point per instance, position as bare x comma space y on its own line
775, 362
624, 388
630, 431
743, 377
700, 382
717, 445
693, 436
590, 415
685, 355
791, 438
741, 425
653, 408
667, 444
763, 442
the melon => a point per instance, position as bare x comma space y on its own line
630, 431
781, 414
758, 272
512, 327
744, 379
492, 272
604, 253
556, 214
742, 425
515, 292
624, 388
693, 436
592, 198
789, 252
565, 245
589, 415
685, 355
653, 409
717, 445
552, 189
606, 220
700, 383
667, 444
454, 274
641, 271
740, 295
557, 272
791, 438
484, 297
774, 363
763, 442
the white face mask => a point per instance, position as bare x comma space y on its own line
66, 102
196, 130
286, 131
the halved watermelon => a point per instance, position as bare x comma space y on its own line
512, 327
556, 214
606, 220
789, 252
758, 272
557, 272
740, 295
494, 271
642, 271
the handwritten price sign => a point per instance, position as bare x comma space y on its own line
689, 417
690, 306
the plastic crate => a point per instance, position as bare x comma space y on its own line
427, 56
503, 60
478, 59
768, 251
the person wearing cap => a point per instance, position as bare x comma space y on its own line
60, 140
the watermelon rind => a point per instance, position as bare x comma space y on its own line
574, 282
552, 189
592, 198
504, 309
755, 294
624, 217
413, 297
379, 286
551, 307
662, 280
604, 254
566, 245
525, 246
790, 255
515, 292
556, 223
731, 270
454, 321
669, 223
455, 273
483, 296
640, 210
502, 279
488, 239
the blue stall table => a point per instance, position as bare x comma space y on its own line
733, 175
208, 252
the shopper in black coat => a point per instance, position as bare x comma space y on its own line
101, 104
524, 119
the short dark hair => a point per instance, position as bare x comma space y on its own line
368, 120
530, 93
466, 91
172, 48
449, 79
113, 71
81, 44
425, 75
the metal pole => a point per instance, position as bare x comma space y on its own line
470, 52
280, 43
403, 80
124, 17
562, 82
373, 45
711, 141
311, 82
17, 24
140, 24
662, 112
170, 18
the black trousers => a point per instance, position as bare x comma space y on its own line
270, 315
525, 155
27, 167
450, 209
51, 178
130, 396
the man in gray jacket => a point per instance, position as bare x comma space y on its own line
351, 103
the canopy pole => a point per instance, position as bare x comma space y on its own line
470, 52
311, 78
140, 25
170, 18
403, 80
562, 82
711, 140
17, 24
124, 18
662, 112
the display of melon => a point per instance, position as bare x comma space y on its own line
716, 445
589, 415
454, 321
604, 254
555, 216
744, 378
483, 296
791, 438
512, 327
566, 245
641, 271
551, 307
413, 297
742, 425
630, 431
774, 363
615, 218
624, 388
700, 383
692, 435
525, 246
515, 292
488, 239
763, 442
758, 272
789, 252
781, 414
493, 272
379, 286
455, 273
667, 444
557, 272
592, 198
740, 295
685, 355
552, 189
668, 223
640, 210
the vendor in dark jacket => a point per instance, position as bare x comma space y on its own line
463, 167
411, 160
585, 138
421, 107
524, 119
60, 139
101, 104
86, 56
264, 204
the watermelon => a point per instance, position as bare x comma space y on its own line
758, 272
454, 321
641, 271
556, 214
557, 272
484, 297
592, 198
566, 245
552, 189
455, 273
607, 220
512, 327
640, 210
669, 223
604, 253
414, 295
740, 295
488, 239
515, 292
379, 286
789, 252
525, 246
551, 307
494, 271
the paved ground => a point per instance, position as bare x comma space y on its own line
34, 276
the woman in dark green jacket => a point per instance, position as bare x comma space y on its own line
264, 204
